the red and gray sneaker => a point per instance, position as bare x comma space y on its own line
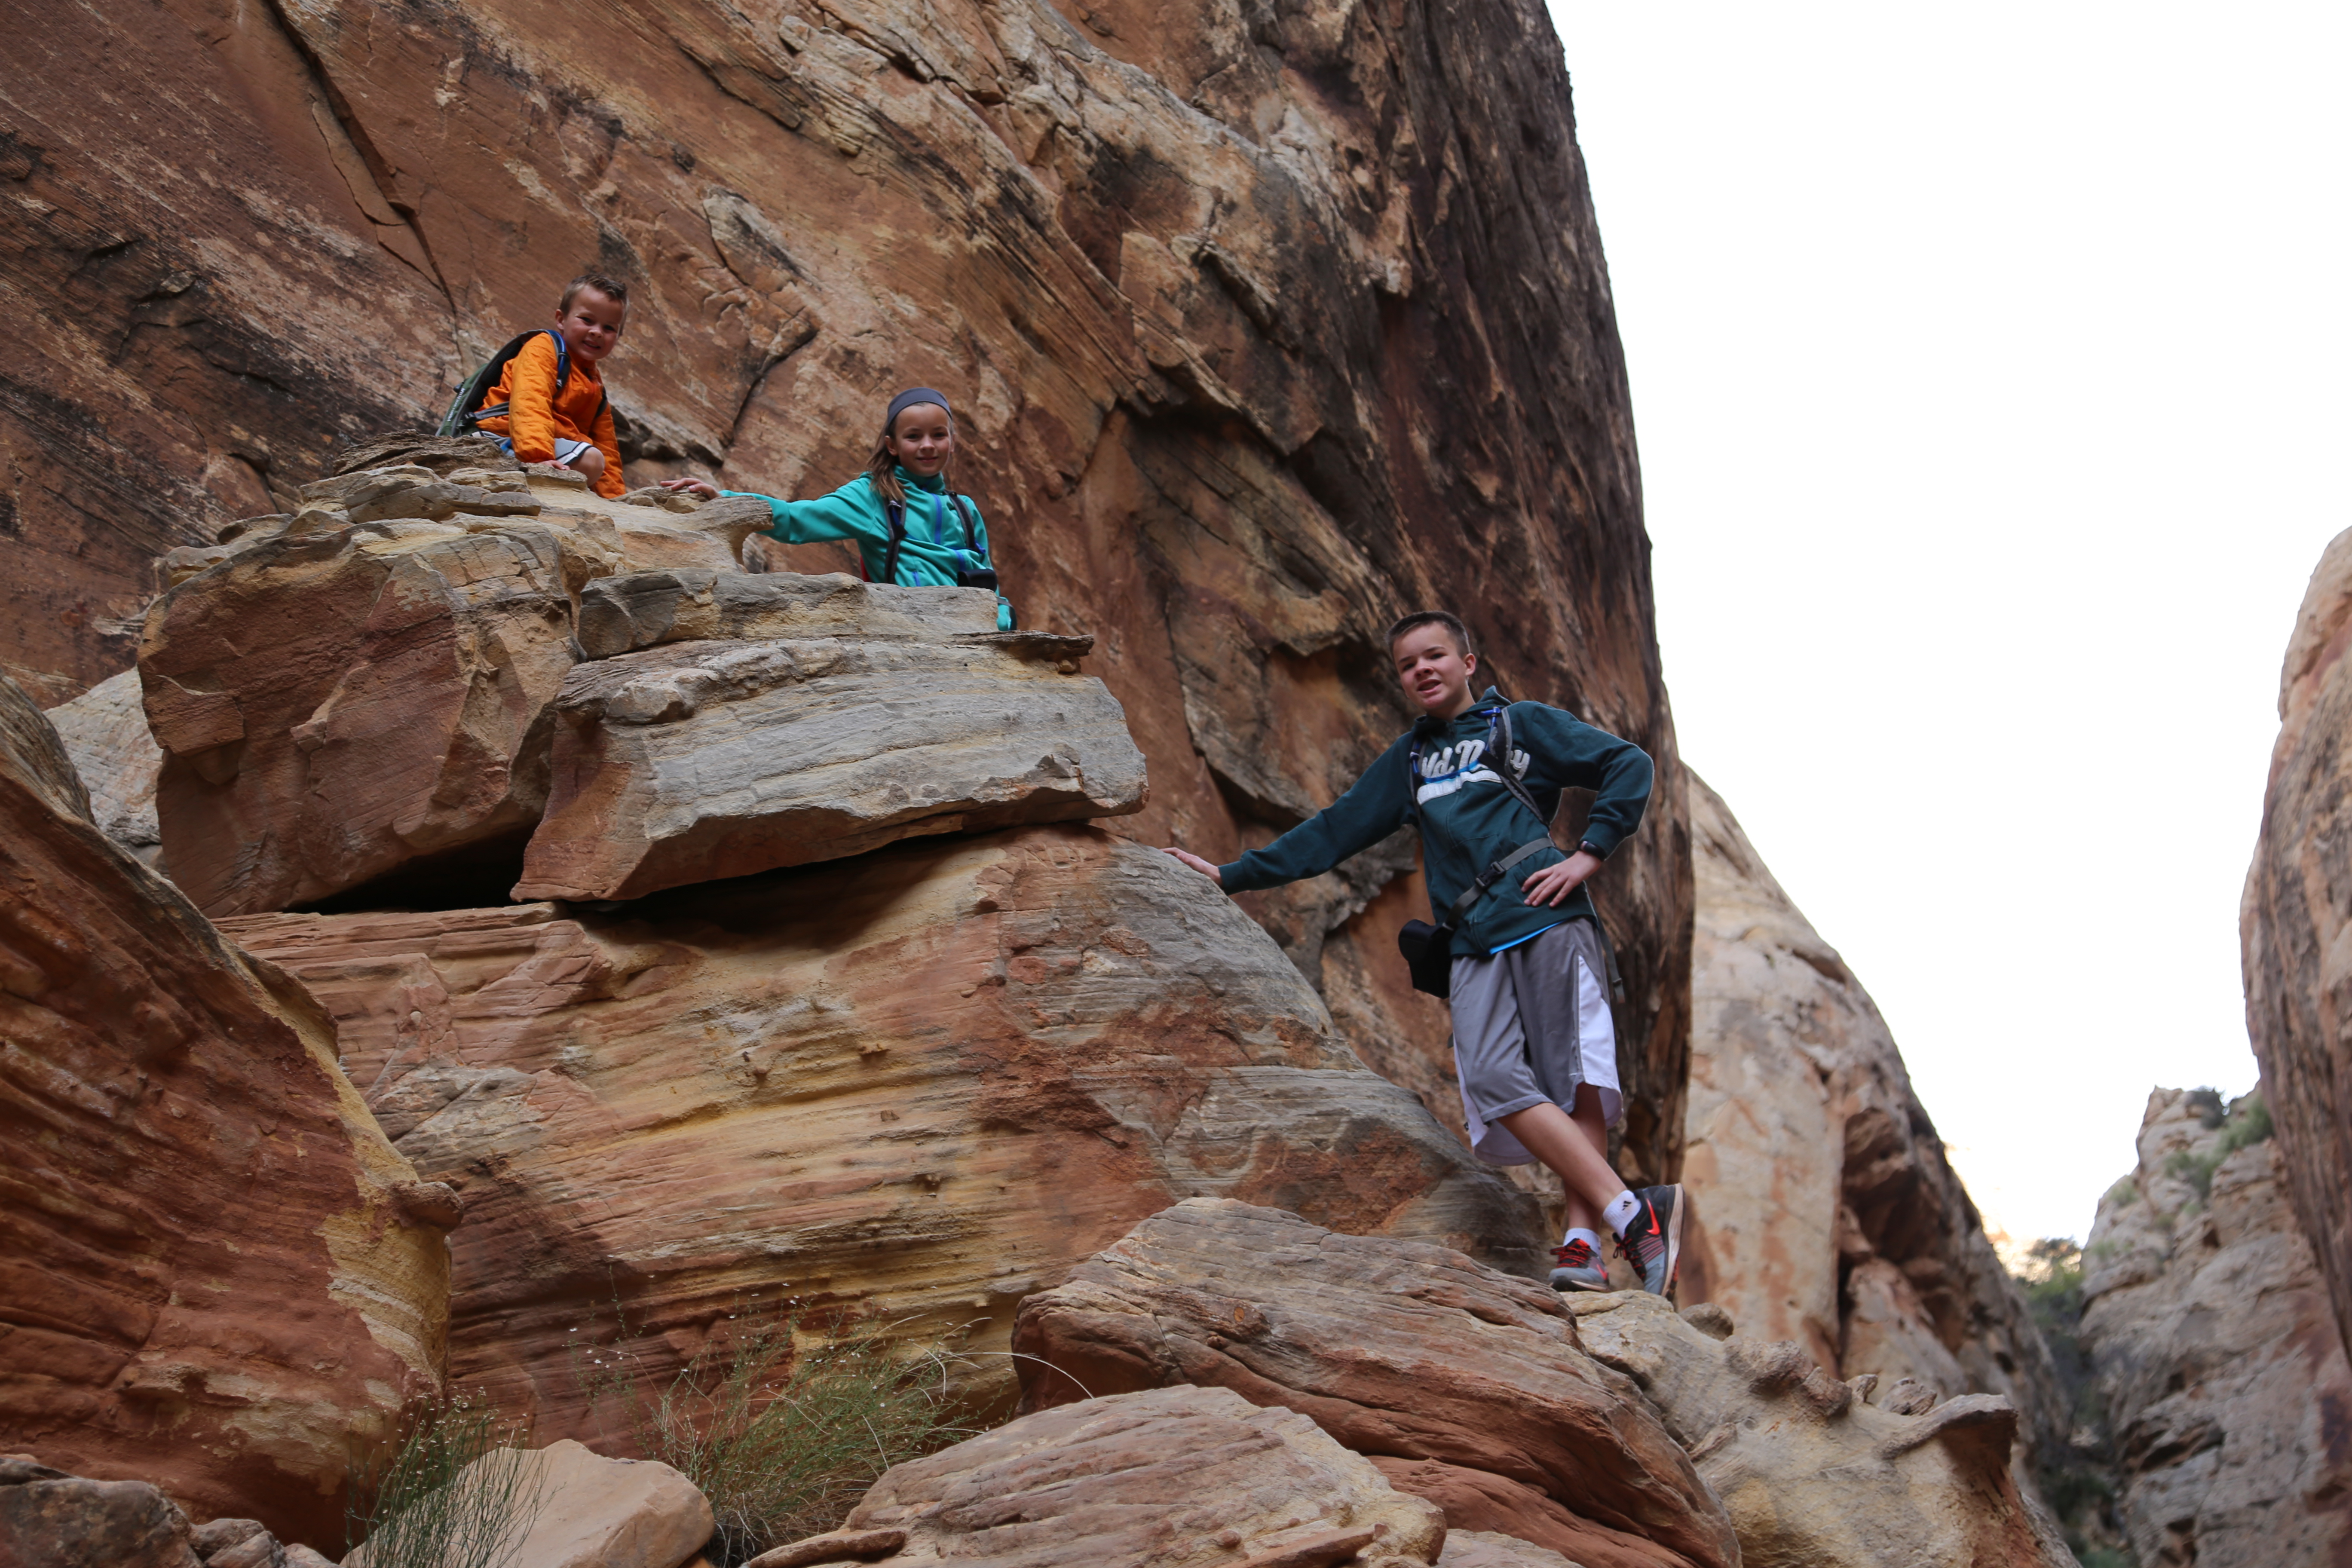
1579, 1269
1653, 1242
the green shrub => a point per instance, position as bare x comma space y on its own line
782, 1439
2249, 1124
449, 1490
2123, 1194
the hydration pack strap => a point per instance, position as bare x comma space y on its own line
897, 515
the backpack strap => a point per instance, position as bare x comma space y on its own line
1503, 770
970, 528
897, 515
1490, 876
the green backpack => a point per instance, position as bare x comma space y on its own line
465, 413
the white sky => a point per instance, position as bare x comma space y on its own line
1990, 364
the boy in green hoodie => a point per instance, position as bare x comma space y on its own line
1535, 1049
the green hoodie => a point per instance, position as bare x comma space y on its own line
1468, 818
933, 552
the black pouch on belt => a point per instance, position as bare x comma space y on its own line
1429, 949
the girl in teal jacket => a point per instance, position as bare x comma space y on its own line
910, 528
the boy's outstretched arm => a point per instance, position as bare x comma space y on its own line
1373, 808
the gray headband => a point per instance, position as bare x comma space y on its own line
908, 399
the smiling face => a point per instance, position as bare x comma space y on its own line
592, 324
1435, 671
922, 440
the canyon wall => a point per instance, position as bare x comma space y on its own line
2293, 921
1266, 324
215, 1273
1823, 1210
2224, 1392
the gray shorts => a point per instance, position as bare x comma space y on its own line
1531, 1024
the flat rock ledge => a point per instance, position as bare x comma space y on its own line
812, 718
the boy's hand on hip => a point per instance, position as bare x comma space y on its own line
1202, 867
1553, 884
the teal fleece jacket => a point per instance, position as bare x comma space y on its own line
1468, 819
935, 548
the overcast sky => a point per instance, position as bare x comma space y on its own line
1990, 366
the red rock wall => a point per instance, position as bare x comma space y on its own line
2293, 926
1266, 324
212, 1271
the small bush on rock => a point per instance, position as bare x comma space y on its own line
449, 1490
782, 1437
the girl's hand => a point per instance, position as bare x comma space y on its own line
1553, 884
1202, 867
702, 487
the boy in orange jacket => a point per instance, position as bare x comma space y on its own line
540, 423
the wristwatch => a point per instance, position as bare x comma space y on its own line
1589, 847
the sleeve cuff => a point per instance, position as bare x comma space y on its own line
1604, 844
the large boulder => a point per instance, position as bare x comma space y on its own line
2293, 919
51, 1520
1823, 1208
692, 761
1397, 1348
2220, 1378
579, 1509
1190, 1477
105, 732
1814, 1477
360, 695
924, 1082
215, 1275
1253, 347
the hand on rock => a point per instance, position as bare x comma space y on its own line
1202, 867
702, 487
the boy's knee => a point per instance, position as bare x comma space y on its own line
591, 463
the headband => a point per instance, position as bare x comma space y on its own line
908, 399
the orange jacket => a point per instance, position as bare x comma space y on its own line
536, 416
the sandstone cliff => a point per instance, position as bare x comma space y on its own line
1266, 323
1824, 1209
918, 1084
2297, 908
215, 1273
2224, 1389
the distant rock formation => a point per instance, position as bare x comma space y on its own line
106, 733
218, 1276
1264, 324
1824, 1211
2222, 1383
2294, 920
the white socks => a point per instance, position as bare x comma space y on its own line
1590, 1238
1622, 1210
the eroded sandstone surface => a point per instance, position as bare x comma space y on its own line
1398, 1350
694, 761
2293, 919
2220, 1376
215, 1275
105, 732
1809, 1472
1265, 325
1823, 1208
921, 1082
1192, 1477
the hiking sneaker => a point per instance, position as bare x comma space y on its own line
1653, 1242
1579, 1269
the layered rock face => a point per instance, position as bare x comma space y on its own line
1604, 1427
2224, 1386
2292, 921
1193, 1478
1439, 1367
1254, 344
920, 1082
218, 1276
1823, 1209
1811, 1472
